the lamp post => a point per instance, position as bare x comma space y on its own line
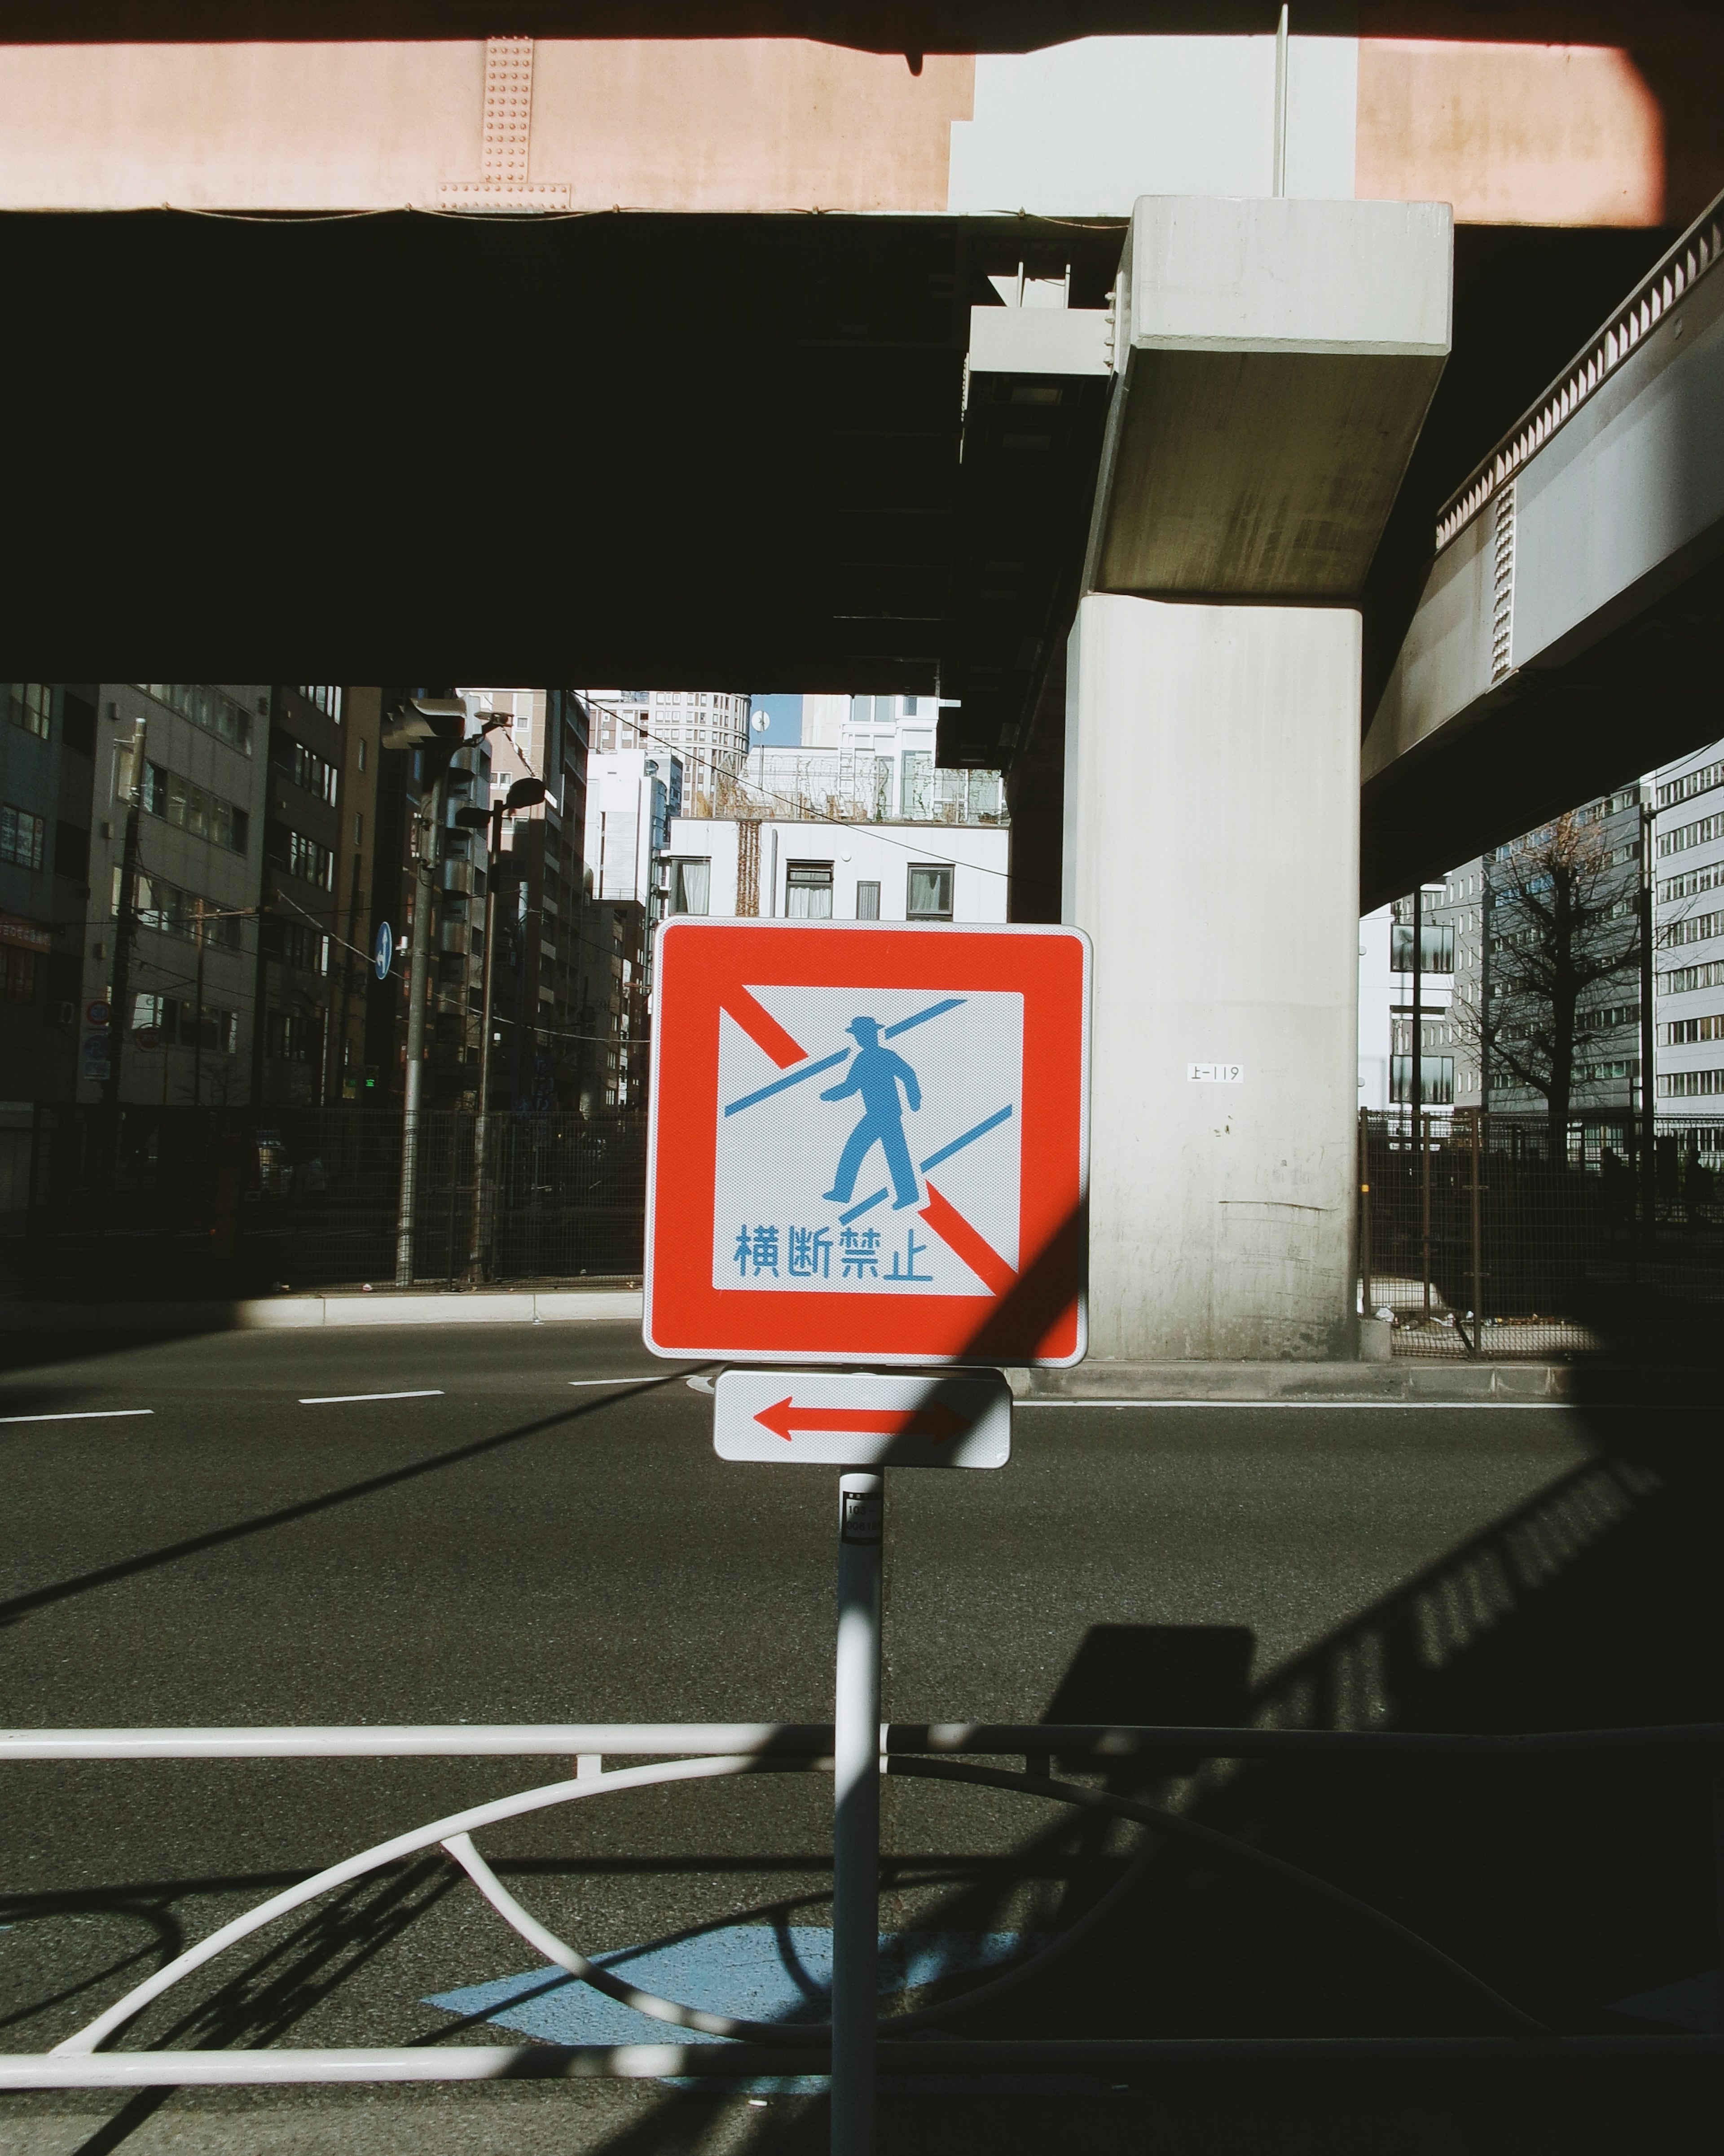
524, 793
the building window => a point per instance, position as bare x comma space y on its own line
1437, 940
292, 1036
205, 707
807, 892
18, 975
1436, 1079
868, 901
21, 835
361, 751
327, 701
171, 911
203, 815
28, 704
916, 790
297, 762
358, 829
306, 859
930, 894
1691, 1084
690, 887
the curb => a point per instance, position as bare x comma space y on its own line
1391, 1383
293, 1313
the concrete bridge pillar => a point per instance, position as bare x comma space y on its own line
1212, 852
1276, 359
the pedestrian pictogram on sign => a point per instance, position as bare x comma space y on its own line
867, 1142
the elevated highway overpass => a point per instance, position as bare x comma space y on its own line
1571, 630
362, 349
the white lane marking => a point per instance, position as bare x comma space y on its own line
611, 1381
340, 1399
82, 1414
699, 1382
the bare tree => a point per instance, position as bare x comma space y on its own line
1563, 918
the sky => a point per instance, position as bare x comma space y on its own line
783, 714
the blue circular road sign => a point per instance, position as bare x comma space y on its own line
384, 956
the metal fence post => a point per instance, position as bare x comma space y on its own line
1424, 1170
1365, 1211
855, 1818
1478, 1268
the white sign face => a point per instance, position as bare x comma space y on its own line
829, 1419
823, 1185
1215, 1073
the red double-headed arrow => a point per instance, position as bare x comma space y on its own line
936, 1421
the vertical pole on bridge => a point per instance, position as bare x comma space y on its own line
856, 1821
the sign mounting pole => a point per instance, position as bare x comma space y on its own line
868, 1161
856, 1815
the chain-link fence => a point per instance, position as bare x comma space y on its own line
167, 1202
1503, 1235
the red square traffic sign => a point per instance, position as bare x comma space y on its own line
868, 1143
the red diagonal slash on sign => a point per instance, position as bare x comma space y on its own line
761, 1028
949, 1225
935, 1420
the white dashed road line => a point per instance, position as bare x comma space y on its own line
82, 1414
647, 1380
342, 1399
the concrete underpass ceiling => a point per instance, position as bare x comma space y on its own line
648, 449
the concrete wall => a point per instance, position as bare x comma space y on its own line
1211, 852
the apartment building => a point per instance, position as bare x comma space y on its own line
707, 730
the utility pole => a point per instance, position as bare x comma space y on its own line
198, 1018
424, 886
525, 793
476, 1234
1649, 1104
435, 726
120, 980
1417, 1066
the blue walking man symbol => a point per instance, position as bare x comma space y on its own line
875, 1073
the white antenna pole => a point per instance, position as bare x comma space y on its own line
1280, 186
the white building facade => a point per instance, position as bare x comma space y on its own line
795, 871
1688, 901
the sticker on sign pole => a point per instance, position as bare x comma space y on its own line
868, 1143
851, 1418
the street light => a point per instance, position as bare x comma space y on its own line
524, 793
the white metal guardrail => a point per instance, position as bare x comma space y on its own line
677, 1752
1676, 273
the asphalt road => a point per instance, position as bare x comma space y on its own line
545, 1535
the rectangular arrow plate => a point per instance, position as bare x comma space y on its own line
839, 1419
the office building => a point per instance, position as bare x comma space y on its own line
192, 758
540, 1049
320, 833
1688, 899
47, 737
